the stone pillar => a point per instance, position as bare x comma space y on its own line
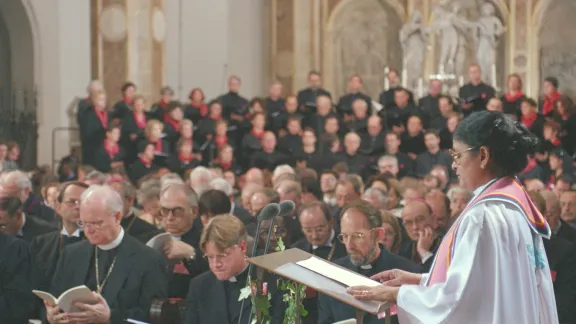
128, 45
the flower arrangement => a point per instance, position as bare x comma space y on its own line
260, 298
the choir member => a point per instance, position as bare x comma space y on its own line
356, 161
172, 122
356, 122
158, 110
206, 126
220, 139
445, 108
475, 94
446, 133
179, 211
123, 107
92, 125
125, 275
291, 143
251, 142
279, 122
361, 225
274, 103
413, 138
550, 97
405, 164
566, 115
133, 127
373, 142
86, 103
268, 158
226, 161
213, 297
386, 98
197, 108
47, 248
154, 134
307, 97
16, 299
430, 103
184, 159
530, 117
397, 116
323, 111
331, 130
513, 98
110, 154
144, 164
551, 134
344, 106
309, 156
234, 106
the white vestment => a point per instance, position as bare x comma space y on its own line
499, 274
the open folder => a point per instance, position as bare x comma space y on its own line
323, 276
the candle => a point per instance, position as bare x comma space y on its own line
461, 81
386, 82
420, 88
494, 75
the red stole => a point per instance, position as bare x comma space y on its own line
185, 159
174, 123
202, 107
146, 163
111, 148
549, 103
103, 116
140, 120
513, 97
528, 120
128, 101
505, 189
158, 146
220, 141
257, 134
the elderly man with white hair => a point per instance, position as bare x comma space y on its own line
124, 275
222, 185
280, 170
200, 179
19, 184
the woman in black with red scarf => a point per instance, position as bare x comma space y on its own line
158, 110
154, 135
207, 126
530, 117
93, 124
197, 109
566, 116
133, 127
123, 107
184, 160
144, 165
173, 122
226, 161
512, 99
111, 154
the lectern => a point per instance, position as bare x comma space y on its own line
289, 264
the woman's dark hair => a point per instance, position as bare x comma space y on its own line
214, 202
509, 142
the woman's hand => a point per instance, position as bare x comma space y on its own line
397, 278
380, 293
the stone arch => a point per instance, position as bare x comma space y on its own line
22, 42
387, 17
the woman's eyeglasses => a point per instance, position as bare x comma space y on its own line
457, 155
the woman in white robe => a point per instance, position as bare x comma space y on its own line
491, 266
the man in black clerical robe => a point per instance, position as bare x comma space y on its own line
16, 223
561, 255
16, 297
307, 97
475, 95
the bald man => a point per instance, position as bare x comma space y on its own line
357, 162
418, 221
269, 158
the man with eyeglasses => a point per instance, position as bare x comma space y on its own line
124, 274
179, 217
361, 230
213, 296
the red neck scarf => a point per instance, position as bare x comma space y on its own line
174, 123
185, 159
146, 163
220, 141
163, 104
112, 148
103, 116
556, 142
510, 97
128, 100
531, 164
202, 107
158, 146
550, 102
528, 120
257, 134
225, 165
140, 120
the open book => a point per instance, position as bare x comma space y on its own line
335, 273
157, 242
77, 294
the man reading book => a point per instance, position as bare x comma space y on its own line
125, 274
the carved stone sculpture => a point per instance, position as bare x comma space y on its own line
489, 28
414, 40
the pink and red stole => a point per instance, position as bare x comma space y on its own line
504, 189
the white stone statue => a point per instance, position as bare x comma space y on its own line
414, 39
453, 29
489, 28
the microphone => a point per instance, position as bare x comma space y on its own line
286, 208
268, 212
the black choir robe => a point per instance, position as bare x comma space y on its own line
34, 227
374, 146
412, 144
429, 106
278, 121
206, 126
103, 161
290, 144
16, 299
233, 103
344, 106
406, 165
426, 161
561, 256
129, 128
566, 232
138, 228
386, 97
269, 161
159, 157
139, 276
331, 310
35, 207
193, 113
158, 110
212, 301
478, 95
138, 169
307, 99
274, 106
395, 116
512, 107
92, 133
178, 166
83, 105
172, 134
316, 160
357, 163
120, 110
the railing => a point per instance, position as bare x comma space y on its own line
55, 131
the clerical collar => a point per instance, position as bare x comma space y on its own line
64, 232
176, 238
20, 231
114, 244
235, 279
328, 243
366, 267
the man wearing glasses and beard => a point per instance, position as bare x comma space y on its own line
361, 230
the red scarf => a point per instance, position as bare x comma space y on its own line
556, 142
531, 164
528, 120
174, 123
111, 148
513, 97
220, 141
185, 159
550, 102
103, 116
163, 104
225, 165
257, 134
140, 120
128, 101
158, 148
202, 107
146, 163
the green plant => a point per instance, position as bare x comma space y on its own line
293, 296
260, 298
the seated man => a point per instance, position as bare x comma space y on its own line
361, 230
125, 274
213, 296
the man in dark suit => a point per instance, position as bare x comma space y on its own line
125, 274
319, 239
361, 226
213, 296
561, 255
15, 280
16, 223
133, 225
242, 214
307, 97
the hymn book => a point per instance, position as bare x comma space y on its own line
80, 294
159, 241
335, 273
